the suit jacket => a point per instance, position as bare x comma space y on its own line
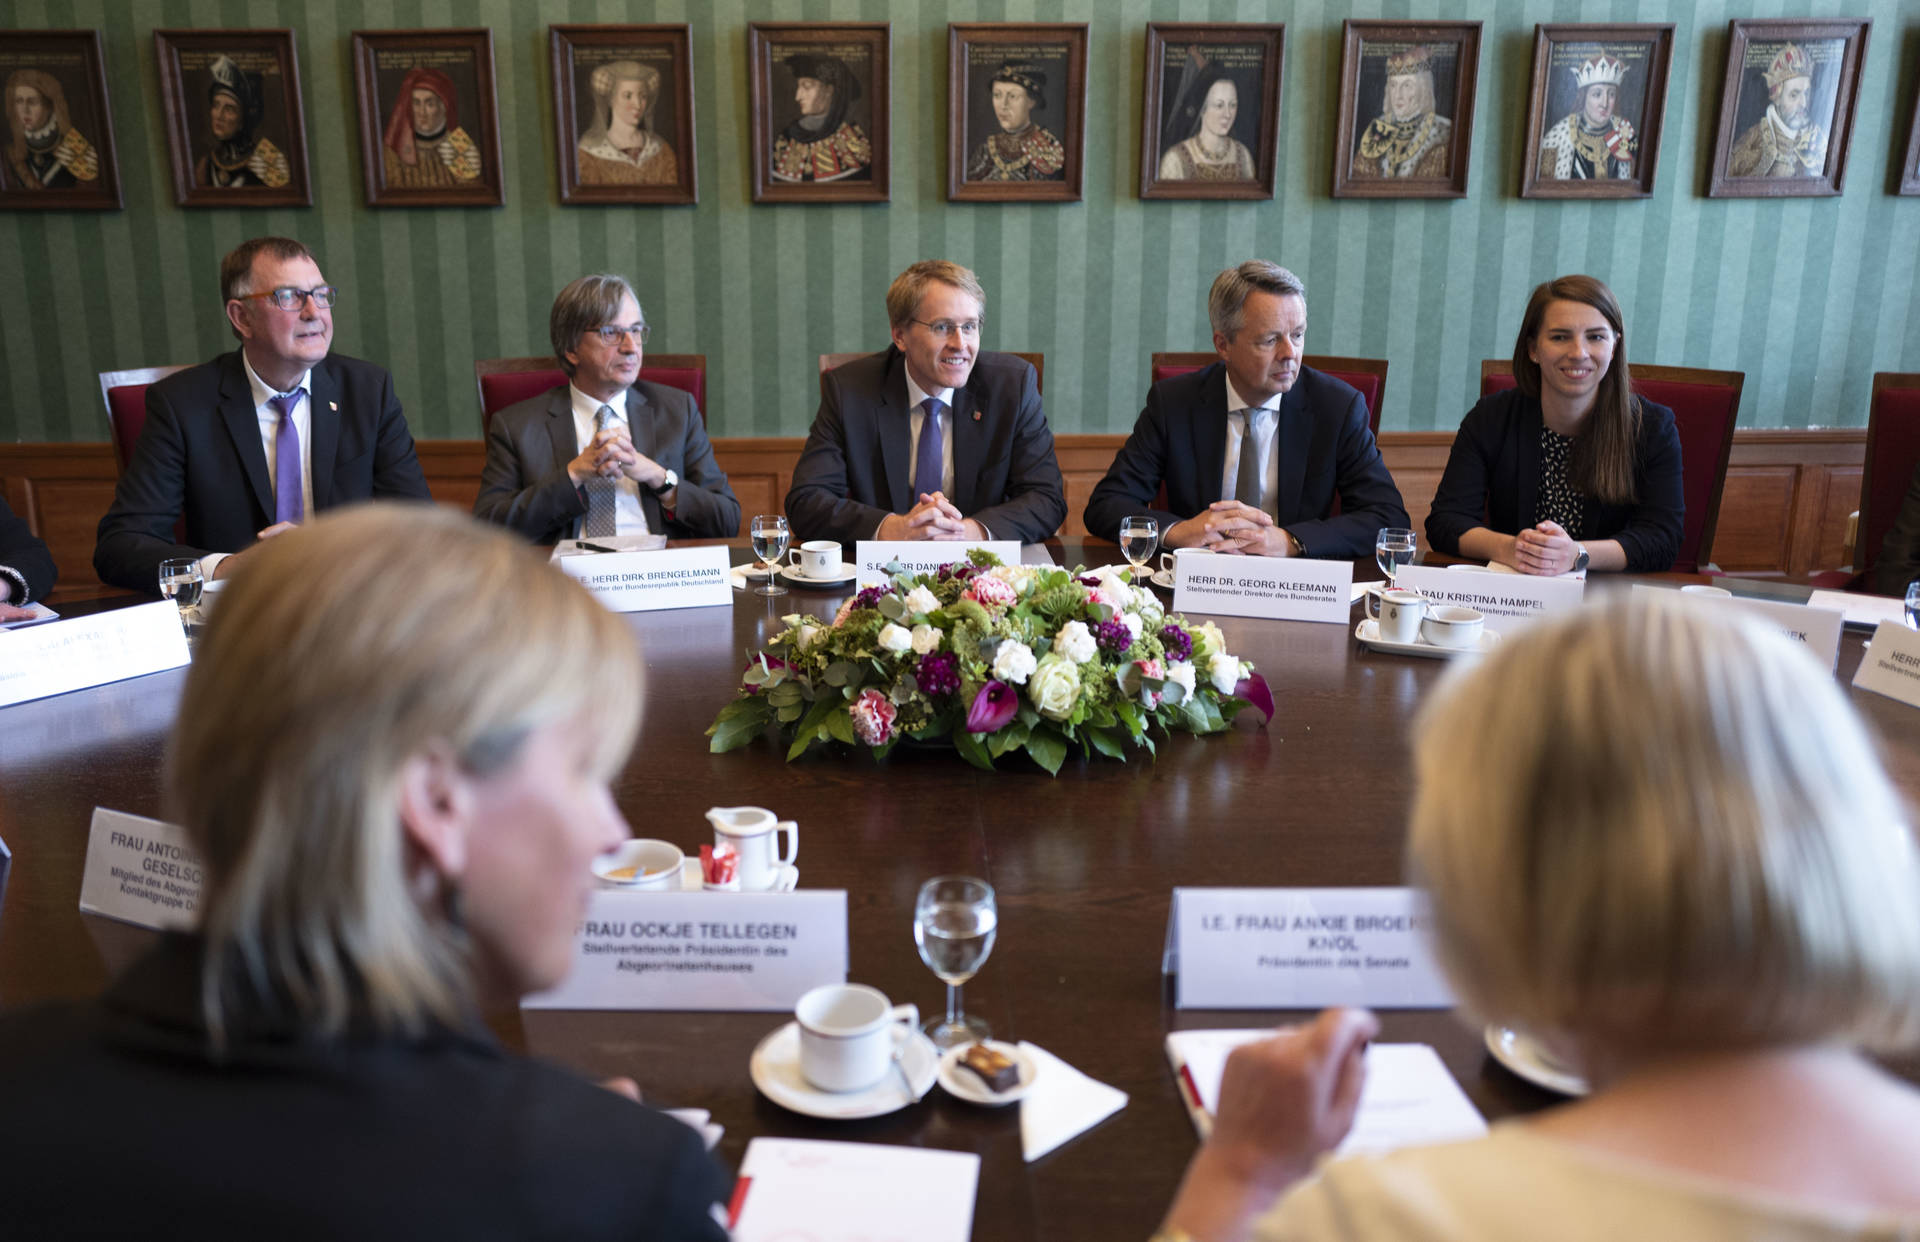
199, 461
854, 470
292, 1136
1324, 445
525, 485
26, 554
1493, 480
1899, 559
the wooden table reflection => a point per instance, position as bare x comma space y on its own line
1083, 864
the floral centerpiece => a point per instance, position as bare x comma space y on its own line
994, 658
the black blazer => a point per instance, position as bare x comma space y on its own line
294, 1137
199, 460
854, 470
1324, 445
525, 485
1493, 480
1899, 559
26, 554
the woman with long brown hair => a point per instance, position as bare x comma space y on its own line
1570, 469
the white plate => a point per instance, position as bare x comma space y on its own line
1162, 579
775, 1066
753, 571
844, 574
786, 881
1524, 1055
964, 1083
1368, 632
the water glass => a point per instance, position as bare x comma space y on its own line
1392, 548
1139, 536
770, 535
181, 582
954, 921
1913, 604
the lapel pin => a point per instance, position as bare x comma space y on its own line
976, 416
333, 405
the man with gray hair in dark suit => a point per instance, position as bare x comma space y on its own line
606, 453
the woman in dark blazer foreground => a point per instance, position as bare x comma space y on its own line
1570, 470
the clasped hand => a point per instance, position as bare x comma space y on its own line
1546, 549
1231, 527
933, 517
610, 455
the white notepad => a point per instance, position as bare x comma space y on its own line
805, 1188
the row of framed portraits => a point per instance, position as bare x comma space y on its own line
820, 113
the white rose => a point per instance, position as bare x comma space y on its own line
1133, 623
1151, 610
1208, 635
1224, 673
1055, 687
894, 639
925, 638
1181, 674
806, 636
1013, 662
1075, 642
1015, 576
920, 601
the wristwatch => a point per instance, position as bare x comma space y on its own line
1580, 558
667, 484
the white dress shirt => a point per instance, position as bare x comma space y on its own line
629, 515
1265, 425
917, 415
269, 441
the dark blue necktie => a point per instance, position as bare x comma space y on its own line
288, 504
927, 461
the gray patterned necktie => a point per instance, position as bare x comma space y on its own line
601, 490
1247, 484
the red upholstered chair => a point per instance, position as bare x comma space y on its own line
125, 395
1705, 405
1893, 450
503, 381
1369, 375
829, 361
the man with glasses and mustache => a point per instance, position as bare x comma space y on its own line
932, 438
1785, 142
607, 453
241, 448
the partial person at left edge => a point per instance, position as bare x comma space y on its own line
239, 449
26, 567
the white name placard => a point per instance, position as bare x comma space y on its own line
141, 871
923, 556
1818, 628
1891, 666
648, 581
715, 951
1282, 588
1509, 601
1302, 948
60, 656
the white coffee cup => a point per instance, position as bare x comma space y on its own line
754, 834
1452, 626
849, 1035
1701, 588
1399, 615
816, 558
653, 865
1168, 560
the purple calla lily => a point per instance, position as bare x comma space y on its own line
1253, 688
994, 706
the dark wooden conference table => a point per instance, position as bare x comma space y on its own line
1084, 865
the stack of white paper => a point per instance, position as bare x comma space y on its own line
839, 1192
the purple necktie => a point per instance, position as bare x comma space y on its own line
926, 461
288, 506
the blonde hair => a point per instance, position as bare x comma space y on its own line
903, 296
337, 653
1649, 828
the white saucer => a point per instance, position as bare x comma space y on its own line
754, 572
775, 1066
785, 882
966, 1084
1368, 632
844, 574
1524, 1055
1162, 579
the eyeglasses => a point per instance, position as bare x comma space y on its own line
969, 328
613, 335
286, 297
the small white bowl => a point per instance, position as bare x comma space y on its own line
1452, 626
654, 864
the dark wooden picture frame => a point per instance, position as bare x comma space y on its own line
1186, 65
66, 159
248, 82
1597, 110
1424, 155
1044, 67
1910, 169
1752, 155
609, 158
846, 154
440, 79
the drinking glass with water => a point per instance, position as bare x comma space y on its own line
1392, 548
770, 535
954, 920
1139, 537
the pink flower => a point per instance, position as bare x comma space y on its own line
995, 705
1103, 593
1155, 669
873, 717
990, 592
1253, 688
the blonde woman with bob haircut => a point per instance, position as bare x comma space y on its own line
393, 757
1570, 469
1668, 850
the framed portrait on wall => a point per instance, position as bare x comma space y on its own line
1405, 127
1016, 111
1212, 122
1787, 108
59, 129
819, 102
236, 135
429, 120
1597, 110
623, 105
1910, 167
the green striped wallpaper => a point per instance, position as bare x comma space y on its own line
1809, 297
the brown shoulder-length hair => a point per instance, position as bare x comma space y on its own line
1603, 457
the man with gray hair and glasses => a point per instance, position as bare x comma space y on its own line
1254, 449
606, 453
241, 448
